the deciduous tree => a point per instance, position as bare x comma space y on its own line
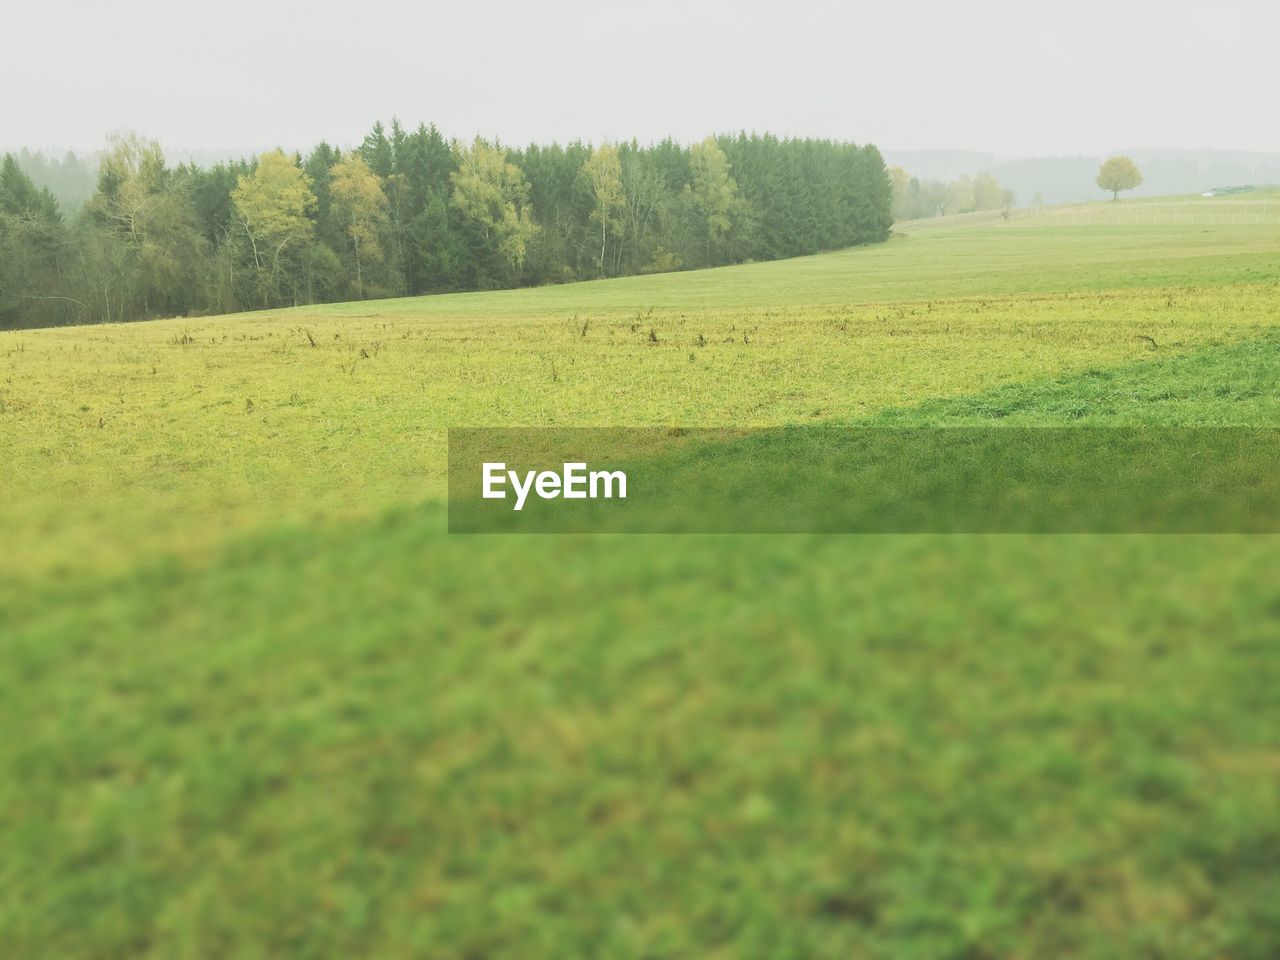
987, 192
900, 181
960, 196
1118, 173
149, 255
493, 194
604, 172
361, 207
713, 193
273, 206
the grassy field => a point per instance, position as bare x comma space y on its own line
265, 707
1254, 208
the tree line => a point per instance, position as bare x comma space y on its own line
914, 198
410, 212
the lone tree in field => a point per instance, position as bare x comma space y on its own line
1119, 173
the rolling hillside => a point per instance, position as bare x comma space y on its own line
258, 685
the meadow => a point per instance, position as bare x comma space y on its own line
261, 705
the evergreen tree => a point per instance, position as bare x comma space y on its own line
31, 252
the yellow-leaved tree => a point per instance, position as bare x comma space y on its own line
1119, 173
604, 172
493, 194
273, 206
361, 206
713, 194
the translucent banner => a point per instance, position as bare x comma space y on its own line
865, 480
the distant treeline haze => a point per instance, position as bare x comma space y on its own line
409, 212
914, 198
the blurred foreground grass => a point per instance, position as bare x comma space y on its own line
386, 742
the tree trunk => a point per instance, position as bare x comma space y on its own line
359, 274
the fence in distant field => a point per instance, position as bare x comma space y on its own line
1197, 211
1174, 212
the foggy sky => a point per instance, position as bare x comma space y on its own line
1014, 78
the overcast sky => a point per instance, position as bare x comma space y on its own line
1013, 77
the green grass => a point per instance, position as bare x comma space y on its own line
1258, 208
267, 708
1221, 386
177, 435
